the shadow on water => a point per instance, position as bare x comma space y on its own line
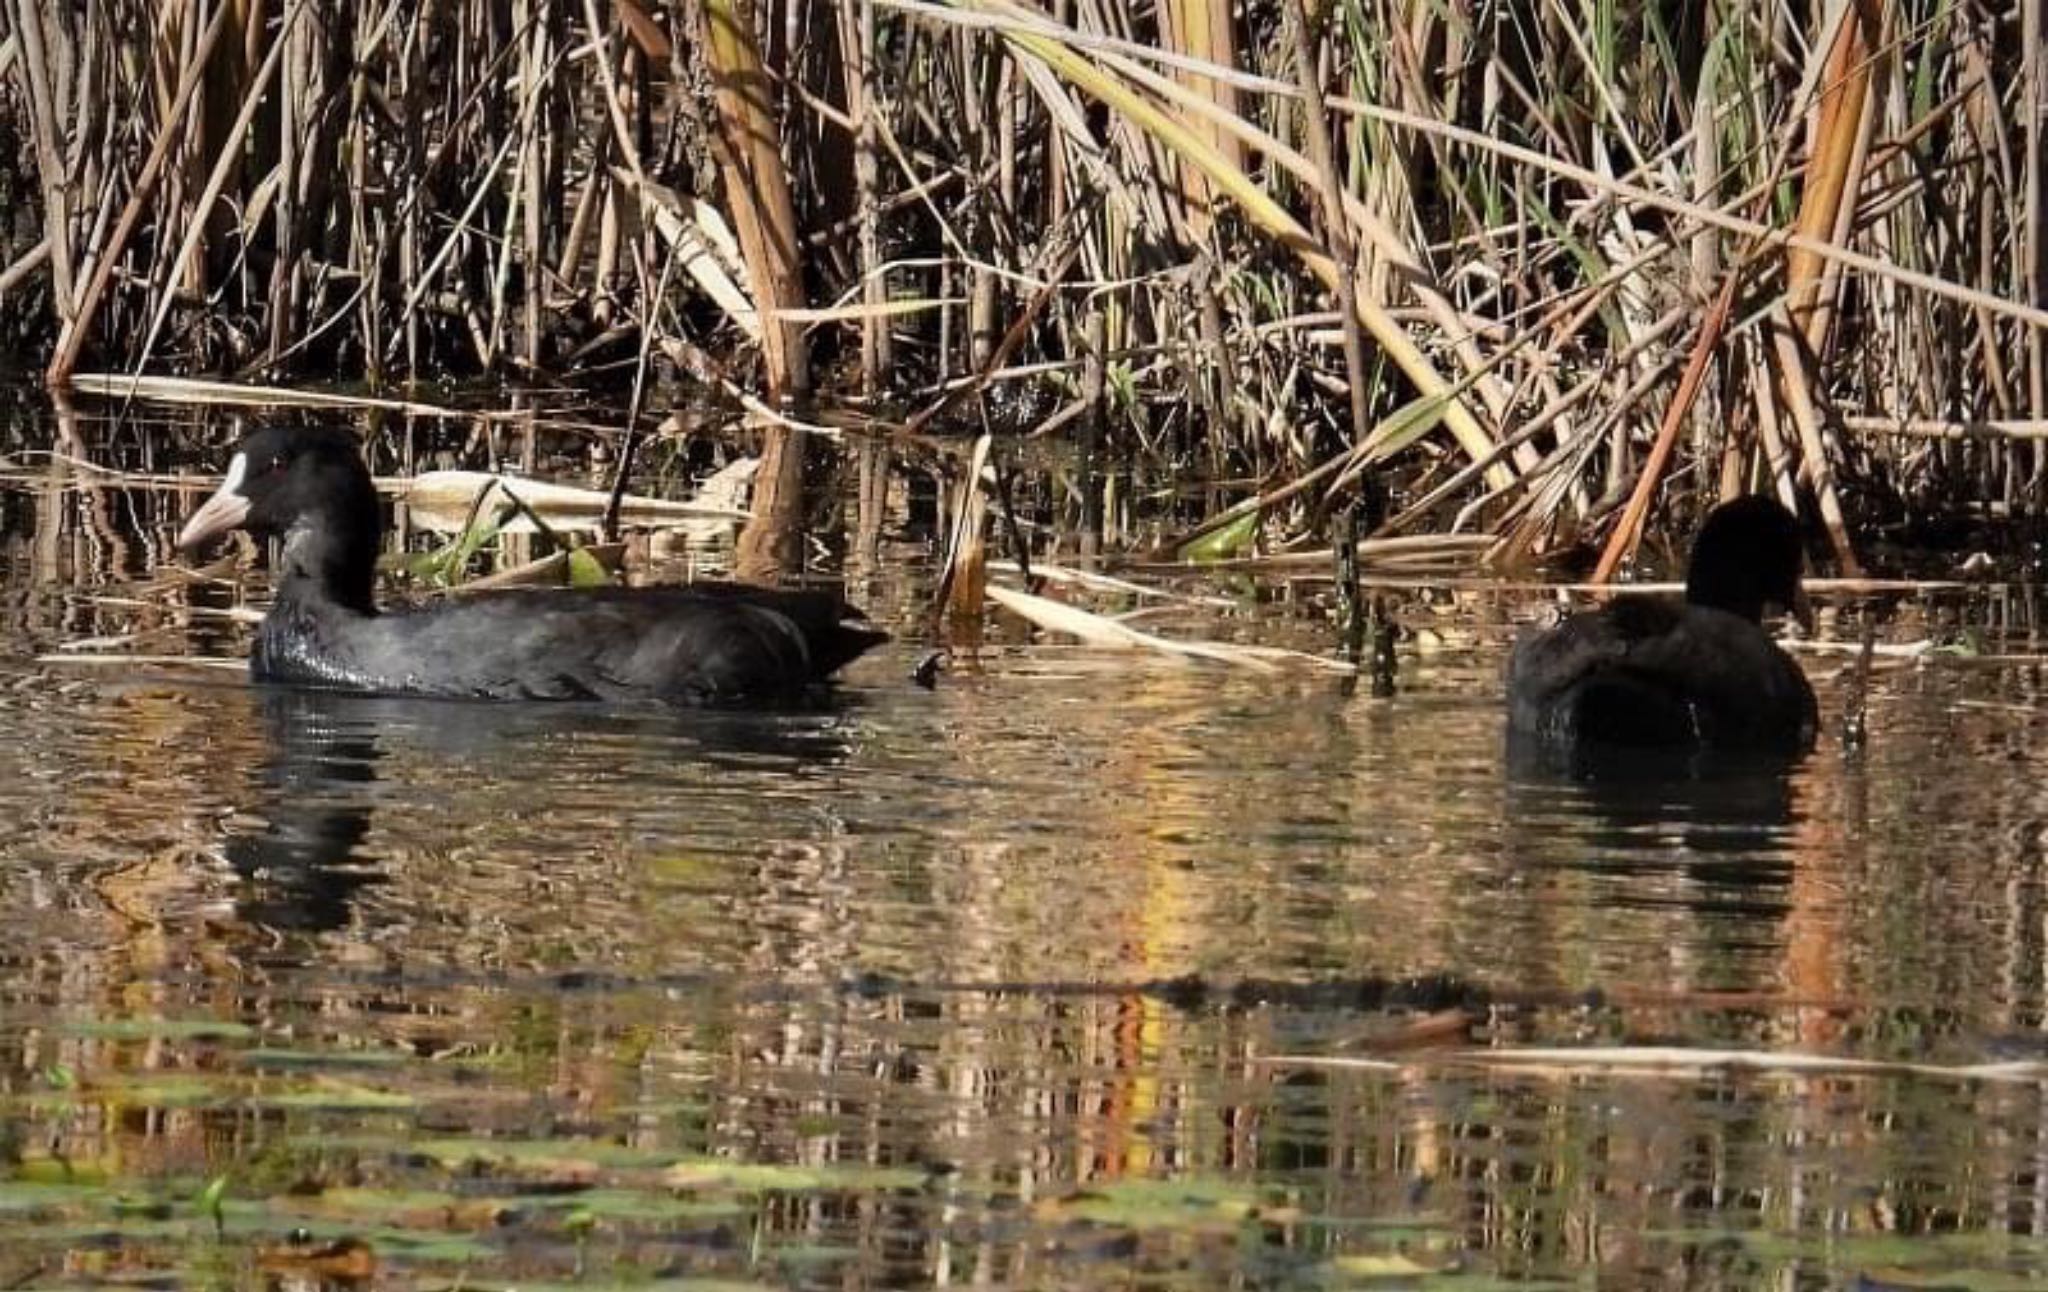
316, 789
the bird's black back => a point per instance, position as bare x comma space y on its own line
1644, 673
687, 645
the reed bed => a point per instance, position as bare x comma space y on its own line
1542, 269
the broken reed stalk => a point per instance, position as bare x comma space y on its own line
769, 546
746, 141
1384, 663
964, 582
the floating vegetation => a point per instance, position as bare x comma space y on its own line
325, 1199
157, 1029
1171, 1204
1977, 1262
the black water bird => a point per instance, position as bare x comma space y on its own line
1653, 674
697, 644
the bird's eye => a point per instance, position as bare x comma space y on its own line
277, 465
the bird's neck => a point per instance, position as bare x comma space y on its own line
328, 561
1730, 595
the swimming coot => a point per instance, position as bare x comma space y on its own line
1648, 673
706, 643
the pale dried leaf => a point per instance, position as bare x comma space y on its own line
701, 243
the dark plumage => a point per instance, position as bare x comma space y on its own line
1655, 674
687, 645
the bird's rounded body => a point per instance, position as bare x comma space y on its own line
695, 644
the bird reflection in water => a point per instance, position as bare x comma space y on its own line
306, 859
302, 869
1722, 821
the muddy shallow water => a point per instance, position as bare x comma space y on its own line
1031, 979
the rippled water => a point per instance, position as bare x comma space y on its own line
1035, 979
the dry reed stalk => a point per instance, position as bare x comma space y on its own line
980, 141
2034, 183
1763, 235
1204, 31
1317, 129
72, 338
1467, 550
1936, 428
224, 164
1851, 212
768, 547
411, 196
123, 660
963, 585
536, 69
757, 191
1106, 583
49, 149
1845, 85
1777, 457
857, 38
1096, 630
24, 265
188, 390
1793, 380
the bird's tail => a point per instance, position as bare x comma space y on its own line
843, 642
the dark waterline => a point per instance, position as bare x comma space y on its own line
996, 983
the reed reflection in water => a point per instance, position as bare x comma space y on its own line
999, 982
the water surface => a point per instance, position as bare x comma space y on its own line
1032, 979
